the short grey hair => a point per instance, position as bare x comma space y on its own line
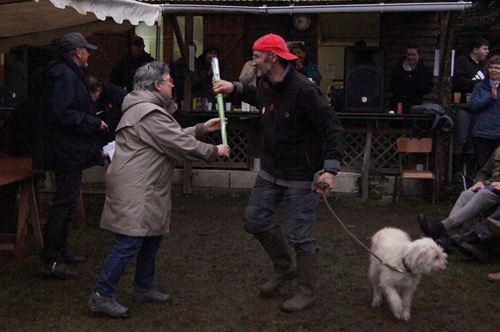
146, 76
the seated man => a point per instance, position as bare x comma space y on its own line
481, 196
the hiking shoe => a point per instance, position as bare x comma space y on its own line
57, 271
107, 305
151, 295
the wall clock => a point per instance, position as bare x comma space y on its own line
301, 22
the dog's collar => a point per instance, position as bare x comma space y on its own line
407, 268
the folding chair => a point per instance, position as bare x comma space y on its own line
419, 150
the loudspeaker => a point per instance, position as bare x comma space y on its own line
364, 79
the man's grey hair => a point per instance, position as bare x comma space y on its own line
146, 76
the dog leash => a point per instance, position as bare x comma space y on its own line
323, 185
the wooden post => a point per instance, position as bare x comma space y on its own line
168, 42
188, 81
365, 173
2, 70
187, 173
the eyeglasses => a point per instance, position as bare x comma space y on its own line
170, 80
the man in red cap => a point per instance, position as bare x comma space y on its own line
302, 153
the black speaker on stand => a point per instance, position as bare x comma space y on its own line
364, 79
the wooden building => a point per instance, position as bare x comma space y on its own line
326, 27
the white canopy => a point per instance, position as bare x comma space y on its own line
119, 10
135, 11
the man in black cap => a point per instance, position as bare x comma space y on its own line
67, 142
122, 73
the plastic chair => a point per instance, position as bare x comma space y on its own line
420, 149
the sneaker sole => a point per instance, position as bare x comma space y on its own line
103, 313
167, 301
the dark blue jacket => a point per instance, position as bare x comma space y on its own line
486, 111
302, 134
67, 127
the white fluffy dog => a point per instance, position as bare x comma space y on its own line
396, 249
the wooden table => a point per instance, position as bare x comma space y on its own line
19, 170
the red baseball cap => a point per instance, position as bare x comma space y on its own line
273, 43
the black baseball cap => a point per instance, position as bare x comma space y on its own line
74, 40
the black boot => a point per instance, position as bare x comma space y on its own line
445, 243
469, 244
431, 229
56, 270
69, 257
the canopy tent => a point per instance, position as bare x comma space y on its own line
136, 11
38, 23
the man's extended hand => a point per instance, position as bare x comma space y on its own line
222, 86
325, 183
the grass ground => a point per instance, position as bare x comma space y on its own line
213, 269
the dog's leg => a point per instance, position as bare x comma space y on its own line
407, 299
395, 302
373, 276
378, 296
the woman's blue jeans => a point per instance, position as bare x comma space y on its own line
123, 250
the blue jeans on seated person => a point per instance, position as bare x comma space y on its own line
123, 250
266, 196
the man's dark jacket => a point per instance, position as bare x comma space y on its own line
302, 134
463, 76
66, 126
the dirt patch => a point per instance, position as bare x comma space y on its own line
213, 269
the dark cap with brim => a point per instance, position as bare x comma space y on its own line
74, 40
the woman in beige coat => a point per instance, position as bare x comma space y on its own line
138, 184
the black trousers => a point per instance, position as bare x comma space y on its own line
484, 148
63, 206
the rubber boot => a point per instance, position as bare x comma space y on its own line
308, 277
276, 246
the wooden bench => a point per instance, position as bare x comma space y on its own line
19, 170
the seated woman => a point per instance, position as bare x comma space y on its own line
411, 80
303, 64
